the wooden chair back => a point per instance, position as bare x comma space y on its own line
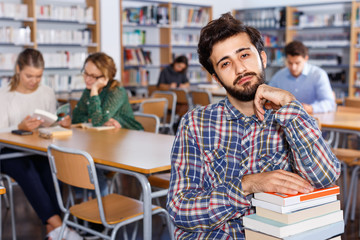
200, 97
172, 98
181, 95
348, 109
150, 122
352, 102
72, 168
182, 103
151, 89
156, 106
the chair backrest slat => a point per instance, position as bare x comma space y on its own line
157, 106
72, 169
352, 102
200, 97
150, 122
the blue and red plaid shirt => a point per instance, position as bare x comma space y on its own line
216, 145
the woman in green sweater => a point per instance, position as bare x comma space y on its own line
103, 102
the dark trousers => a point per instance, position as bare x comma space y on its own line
33, 175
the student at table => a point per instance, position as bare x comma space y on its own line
258, 139
17, 104
308, 83
103, 102
174, 75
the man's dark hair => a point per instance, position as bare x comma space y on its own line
220, 29
296, 48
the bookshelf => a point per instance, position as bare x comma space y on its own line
325, 28
271, 23
354, 72
153, 33
65, 32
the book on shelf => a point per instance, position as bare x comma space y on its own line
299, 215
281, 230
135, 77
288, 199
137, 56
321, 233
91, 127
146, 15
183, 16
287, 209
57, 131
14, 10
135, 37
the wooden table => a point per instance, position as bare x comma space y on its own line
339, 120
131, 152
342, 122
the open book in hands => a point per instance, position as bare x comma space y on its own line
50, 118
47, 117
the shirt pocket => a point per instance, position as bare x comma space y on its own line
214, 167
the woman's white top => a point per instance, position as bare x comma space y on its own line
15, 106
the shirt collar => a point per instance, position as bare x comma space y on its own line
304, 72
306, 69
232, 113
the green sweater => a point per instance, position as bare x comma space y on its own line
108, 104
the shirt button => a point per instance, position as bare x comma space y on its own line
107, 111
87, 103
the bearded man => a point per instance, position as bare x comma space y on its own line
258, 139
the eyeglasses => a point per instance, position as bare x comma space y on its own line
92, 77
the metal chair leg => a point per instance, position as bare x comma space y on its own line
354, 200
345, 184
11, 204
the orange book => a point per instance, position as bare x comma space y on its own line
2, 190
287, 199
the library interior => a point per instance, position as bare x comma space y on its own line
179, 119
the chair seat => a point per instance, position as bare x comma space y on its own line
161, 180
349, 156
117, 208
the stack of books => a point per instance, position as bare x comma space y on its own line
314, 215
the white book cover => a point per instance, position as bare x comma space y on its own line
301, 215
287, 209
321, 233
47, 117
288, 199
282, 230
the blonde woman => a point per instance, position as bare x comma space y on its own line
17, 104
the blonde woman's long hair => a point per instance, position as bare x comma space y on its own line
28, 58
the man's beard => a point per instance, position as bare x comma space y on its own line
248, 93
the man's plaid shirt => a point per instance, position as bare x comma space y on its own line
216, 145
